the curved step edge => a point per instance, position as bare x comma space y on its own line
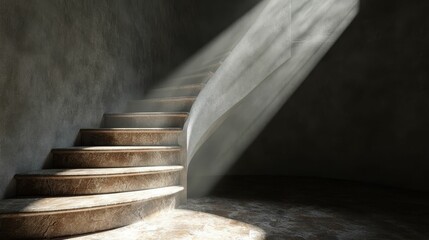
68, 182
130, 136
65, 216
116, 156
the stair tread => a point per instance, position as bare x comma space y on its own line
181, 114
167, 99
118, 148
133, 129
100, 171
53, 204
185, 86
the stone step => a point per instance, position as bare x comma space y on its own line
144, 119
130, 136
64, 216
177, 91
67, 182
170, 104
115, 156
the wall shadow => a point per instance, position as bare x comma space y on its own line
362, 113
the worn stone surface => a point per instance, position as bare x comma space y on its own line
98, 171
114, 156
87, 220
129, 136
37, 205
182, 224
60, 216
145, 120
60, 182
311, 208
289, 209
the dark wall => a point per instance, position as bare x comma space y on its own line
64, 63
363, 113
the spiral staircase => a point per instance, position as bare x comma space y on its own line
137, 163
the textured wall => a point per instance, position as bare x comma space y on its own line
363, 113
64, 63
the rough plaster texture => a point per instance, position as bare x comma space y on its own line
64, 63
363, 112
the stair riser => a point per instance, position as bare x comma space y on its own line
129, 138
82, 221
130, 158
162, 106
67, 186
143, 121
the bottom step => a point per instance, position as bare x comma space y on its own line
64, 216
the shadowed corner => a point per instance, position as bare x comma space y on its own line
253, 84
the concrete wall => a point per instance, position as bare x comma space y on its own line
64, 63
363, 113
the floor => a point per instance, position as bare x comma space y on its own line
289, 208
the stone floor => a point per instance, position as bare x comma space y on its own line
291, 208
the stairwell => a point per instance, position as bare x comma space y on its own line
136, 164
115, 176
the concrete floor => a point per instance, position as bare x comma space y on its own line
289, 208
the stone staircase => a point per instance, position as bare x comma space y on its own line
117, 175
137, 164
